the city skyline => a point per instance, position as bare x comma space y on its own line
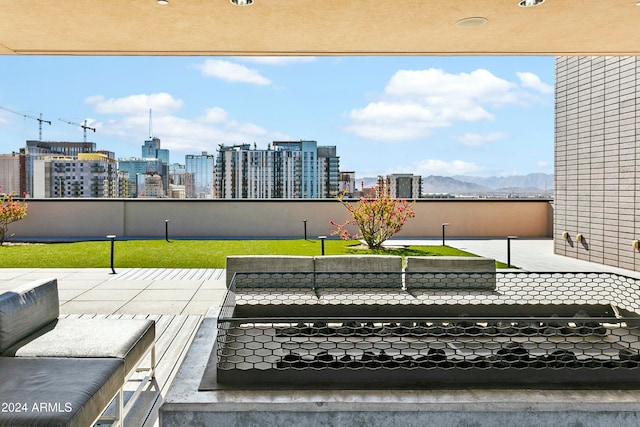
449, 116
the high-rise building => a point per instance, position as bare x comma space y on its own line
10, 174
291, 170
123, 184
328, 171
597, 159
177, 181
242, 173
136, 170
110, 154
402, 186
39, 150
347, 182
85, 175
151, 150
202, 169
152, 186
62, 148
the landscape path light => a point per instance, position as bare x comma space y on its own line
113, 239
509, 238
444, 225
322, 239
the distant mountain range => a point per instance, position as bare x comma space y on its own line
534, 183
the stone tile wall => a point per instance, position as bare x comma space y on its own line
597, 159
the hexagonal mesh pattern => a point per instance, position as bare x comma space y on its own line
532, 328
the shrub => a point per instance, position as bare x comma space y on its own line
11, 210
377, 216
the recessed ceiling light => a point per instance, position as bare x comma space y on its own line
242, 2
475, 21
530, 3
163, 2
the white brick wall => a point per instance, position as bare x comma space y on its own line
597, 158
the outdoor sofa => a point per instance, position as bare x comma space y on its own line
65, 371
356, 270
316, 286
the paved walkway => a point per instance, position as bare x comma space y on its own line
526, 254
192, 291
129, 291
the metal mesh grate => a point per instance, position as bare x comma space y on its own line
542, 328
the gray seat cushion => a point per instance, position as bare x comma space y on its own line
127, 339
26, 309
57, 392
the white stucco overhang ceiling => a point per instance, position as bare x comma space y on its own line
319, 27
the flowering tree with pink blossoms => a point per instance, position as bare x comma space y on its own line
11, 210
377, 216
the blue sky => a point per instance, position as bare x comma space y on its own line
481, 116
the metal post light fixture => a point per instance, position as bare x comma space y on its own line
444, 225
509, 238
304, 221
166, 230
113, 239
322, 239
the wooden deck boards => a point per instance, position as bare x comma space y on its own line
174, 334
169, 274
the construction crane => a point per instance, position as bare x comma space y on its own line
39, 119
82, 125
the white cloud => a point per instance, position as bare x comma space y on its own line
231, 72
379, 121
277, 60
135, 104
398, 121
182, 135
532, 81
415, 102
436, 87
440, 167
542, 164
476, 140
215, 115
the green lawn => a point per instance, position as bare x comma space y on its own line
184, 253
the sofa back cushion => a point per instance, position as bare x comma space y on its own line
26, 309
358, 271
450, 273
301, 268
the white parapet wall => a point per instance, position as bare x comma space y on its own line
132, 218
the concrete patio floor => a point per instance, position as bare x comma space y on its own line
136, 291
179, 298
129, 291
